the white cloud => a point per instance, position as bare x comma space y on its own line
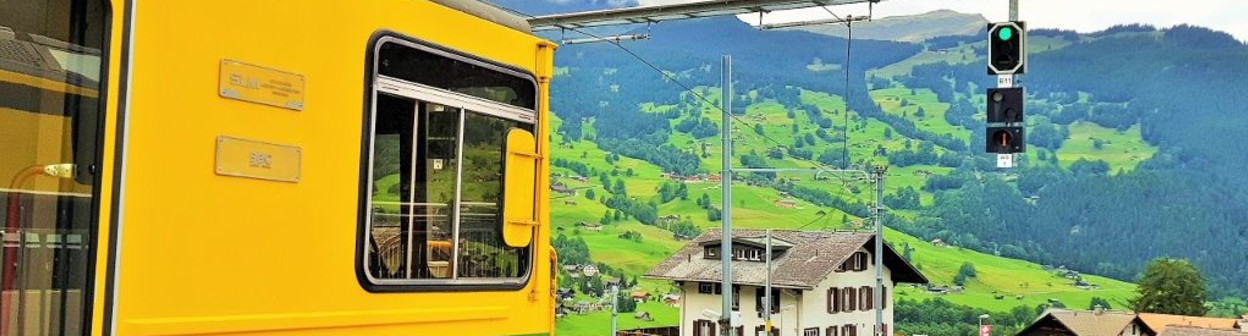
1078, 15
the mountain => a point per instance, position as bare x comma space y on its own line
1123, 164
910, 28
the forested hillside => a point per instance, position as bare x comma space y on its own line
1123, 166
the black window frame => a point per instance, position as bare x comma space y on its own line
94, 159
364, 191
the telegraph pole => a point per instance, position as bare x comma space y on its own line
615, 302
767, 289
877, 176
725, 249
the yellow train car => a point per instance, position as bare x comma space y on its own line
365, 167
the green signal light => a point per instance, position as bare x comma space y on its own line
1005, 33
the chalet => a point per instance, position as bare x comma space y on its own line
1183, 330
786, 203
570, 203
640, 296
671, 300
823, 280
590, 270
644, 316
590, 226
564, 294
713, 178
562, 189
1161, 322
939, 242
1099, 322
580, 178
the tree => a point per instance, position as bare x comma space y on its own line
920, 113
589, 194
967, 269
1099, 302
607, 217
758, 128
1170, 286
618, 189
624, 303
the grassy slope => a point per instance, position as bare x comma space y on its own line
755, 206
1122, 150
1002, 276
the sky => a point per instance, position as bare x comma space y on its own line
1079, 15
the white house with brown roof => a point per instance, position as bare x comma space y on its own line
823, 282
1099, 322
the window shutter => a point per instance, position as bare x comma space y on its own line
831, 331
884, 298
828, 297
697, 327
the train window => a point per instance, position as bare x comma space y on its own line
435, 185
51, 101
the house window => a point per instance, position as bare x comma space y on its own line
703, 328
736, 298
432, 191
849, 330
759, 292
864, 259
706, 288
712, 252
810, 332
755, 255
831, 331
762, 331
866, 297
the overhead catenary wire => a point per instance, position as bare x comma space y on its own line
670, 78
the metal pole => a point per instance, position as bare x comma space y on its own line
615, 303
725, 249
767, 289
1013, 10
879, 249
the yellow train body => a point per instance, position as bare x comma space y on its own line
183, 248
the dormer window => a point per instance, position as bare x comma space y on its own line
746, 249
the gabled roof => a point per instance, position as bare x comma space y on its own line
1087, 323
812, 258
1182, 330
1159, 322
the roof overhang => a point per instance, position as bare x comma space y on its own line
902, 270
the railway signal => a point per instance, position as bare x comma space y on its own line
1007, 58
1005, 105
1007, 48
1006, 140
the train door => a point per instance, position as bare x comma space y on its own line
52, 59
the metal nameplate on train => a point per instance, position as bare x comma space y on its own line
260, 85
258, 160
